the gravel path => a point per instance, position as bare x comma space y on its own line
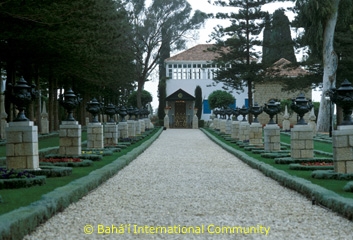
186, 187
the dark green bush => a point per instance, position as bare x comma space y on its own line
21, 182
347, 188
52, 171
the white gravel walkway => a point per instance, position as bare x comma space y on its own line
186, 187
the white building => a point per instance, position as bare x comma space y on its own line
187, 70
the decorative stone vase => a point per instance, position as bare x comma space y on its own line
301, 105
94, 107
21, 95
69, 101
343, 97
272, 109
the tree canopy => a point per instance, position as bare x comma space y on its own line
220, 99
236, 44
167, 21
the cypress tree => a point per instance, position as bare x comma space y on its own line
198, 101
277, 40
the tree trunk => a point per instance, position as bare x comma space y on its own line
139, 93
330, 62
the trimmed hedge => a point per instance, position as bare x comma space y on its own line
21, 182
52, 171
347, 188
321, 195
289, 160
18, 223
84, 163
331, 174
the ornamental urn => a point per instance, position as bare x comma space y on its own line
21, 95
69, 101
301, 105
272, 108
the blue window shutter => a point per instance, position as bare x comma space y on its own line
246, 102
206, 107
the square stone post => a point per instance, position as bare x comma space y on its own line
216, 124
22, 145
272, 141
244, 128
342, 141
142, 124
235, 130
95, 135
229, 126
195, 122
302, 143
255, 134
131, 128
222, 125
70, 138
111, 134
123, 130
137, 127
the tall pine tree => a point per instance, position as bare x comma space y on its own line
238, 59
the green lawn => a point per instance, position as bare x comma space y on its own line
15, 198
333, 185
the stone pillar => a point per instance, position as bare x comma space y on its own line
123, 130
222, 125
111, 134
44, 122
342, 142
302, 143
3, 116
255, 134
286, 122
147, 123
312, 123
166, 118
229, 126
244, 128
95, 135
142, 125
195, 122
131, 128
22, 145
216, 123
272, 141
235, 130
137, 127
70, 138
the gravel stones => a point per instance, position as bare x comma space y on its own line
188, 186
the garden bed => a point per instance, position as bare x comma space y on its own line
310, 167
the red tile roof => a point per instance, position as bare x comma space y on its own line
196, 53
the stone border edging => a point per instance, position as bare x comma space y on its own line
321, 195
17, 223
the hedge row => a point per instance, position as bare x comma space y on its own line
331, 174
321, 195
21, 182
18, 223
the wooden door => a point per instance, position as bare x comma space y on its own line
180, 114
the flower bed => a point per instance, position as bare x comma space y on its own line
311, 166
10, 178
64, 161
